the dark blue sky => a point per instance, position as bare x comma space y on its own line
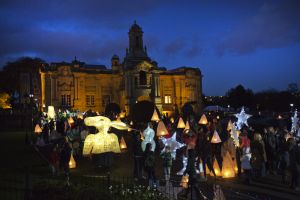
253, 43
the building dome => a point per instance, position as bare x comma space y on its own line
135, 28
115, 57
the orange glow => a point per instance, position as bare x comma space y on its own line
181, 123
123, 144
203, 120
38, 129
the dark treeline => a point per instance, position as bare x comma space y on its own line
269, 100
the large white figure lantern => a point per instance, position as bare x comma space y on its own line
148, 138
102, 141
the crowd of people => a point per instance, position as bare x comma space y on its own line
261, 150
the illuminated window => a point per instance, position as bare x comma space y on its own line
90, 100
168, 99
68, 100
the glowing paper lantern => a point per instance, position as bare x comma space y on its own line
38, 129
72, 163
242, 119
229, 125
161, 129
203, 120
181, 123
184, 181
187, 127
228, 166
70, 120
122, 115
216, 138
102, 142
79, 116
148, 138
172, 120
295, 120
155, 116
184, 164
123, 144
51, 112
216, 168
173, 144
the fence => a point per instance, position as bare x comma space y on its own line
25, 186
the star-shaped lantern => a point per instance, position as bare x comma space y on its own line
295, 120
242, 119
173, 144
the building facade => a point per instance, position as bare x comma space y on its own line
80, 86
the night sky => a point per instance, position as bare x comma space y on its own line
253, 43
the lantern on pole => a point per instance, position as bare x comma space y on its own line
38, 129
72, 163
155, 116
123, 144
181, 123
216, 138
203, 120
161, 129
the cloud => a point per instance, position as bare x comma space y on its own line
273, 26
175, 46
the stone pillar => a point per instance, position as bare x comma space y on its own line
157, 97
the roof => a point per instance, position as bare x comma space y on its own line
181, 71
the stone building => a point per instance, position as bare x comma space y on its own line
81, 86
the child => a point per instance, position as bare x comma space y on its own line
167, 162
245, 163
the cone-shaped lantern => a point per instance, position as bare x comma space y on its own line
187, 127
155, 116
229, 125
123, 144
216, 138
181, 123
70, 120
51, 112
72, 163
203, 120
228, 166
38, 129
161, 129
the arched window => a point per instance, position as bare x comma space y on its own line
143, 78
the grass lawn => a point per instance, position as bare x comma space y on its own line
16, 155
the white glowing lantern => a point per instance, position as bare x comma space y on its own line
155, 116
229, 125
38, 129
102, 142
203, 120
161, 129
51, 112
72, 163
181, 123
123, 144
148, 138
216, 138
